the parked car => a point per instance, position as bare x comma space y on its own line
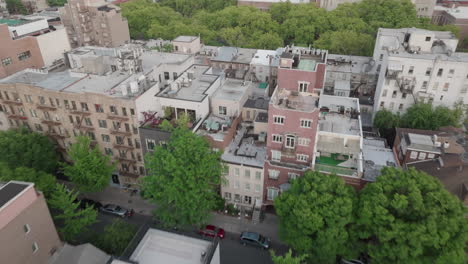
116, 210
88, 202
212, 231
351, 261
255, 239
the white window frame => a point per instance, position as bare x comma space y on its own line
302, 157
422, 155
273, 174
247, 186
272, 193
276, 155
236, 184
148, 141
236, 172
279, 120
303, 142
247, 173
222, 110
306, 123
277, 138
257, 188
290, 141
430, 155
303, 87
258, 175
292, 175
227, 196
414, 155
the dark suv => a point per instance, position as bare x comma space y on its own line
255, 239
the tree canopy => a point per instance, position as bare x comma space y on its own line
71, 220
349, 29
16, 7
56, 2
182, 179
91, 170
23, 148
43, 181
315, 214
116, 237
288, 258
409, 217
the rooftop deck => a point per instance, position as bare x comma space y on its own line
291, 100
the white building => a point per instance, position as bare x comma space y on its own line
186, 44
424, 8
53, 46
264, 65
419, 66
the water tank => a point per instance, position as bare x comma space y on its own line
134, 87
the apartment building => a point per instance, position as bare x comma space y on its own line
233, 61
339, 141
264, 68
293, 115
27, 232
266, 4
187, 44
453, 15
94, 23
418, 65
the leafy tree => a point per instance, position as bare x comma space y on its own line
71, 220
315, 214
346, 42
288, 258
56, 2
16, 7
116, 237
22, 148
183, 177
425, 116
386, 122
189, 7
388, 13
91, 170
409, 217
42, 180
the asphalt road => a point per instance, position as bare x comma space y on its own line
231, 251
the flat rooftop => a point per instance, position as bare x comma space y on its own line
163, 247
350, 64
376, 156
257, 103
245, 150
262, 57
16, 22
421, 142
460, 12
339, 124
67, 81
185, 38
191, 85
152, 58
290, 100
232, 90
334, 103
234, 54
10, 190
304, 58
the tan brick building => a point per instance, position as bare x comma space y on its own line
27, 233
66, 104
94, 23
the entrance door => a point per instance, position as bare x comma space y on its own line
115, 179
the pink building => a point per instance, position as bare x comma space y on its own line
27, 233
293, 115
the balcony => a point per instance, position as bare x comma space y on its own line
16, 101
51, 122
406, 85
391, 74
112, 116
79, 112
83, 127
17, 117
122, 146
55, 135
128, 174
120, 132
46, 107
125, 159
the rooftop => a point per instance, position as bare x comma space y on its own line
262, 57
11, 190
81, 254
163, 247
337, 103
460, 12
244, 149
376, 156
192, 85
350, 64
339, 124
257, 103
305, 59
152, 58
232, 90
16, 22
292, 100
234, 54
421, 142
185, 38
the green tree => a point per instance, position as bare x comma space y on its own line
346, 42
116, 237
91, 170
288, 258
71, 220
23, 148
314, 216
388, 13
409, 217
56, 2
182, 180
16, 7
42, 180
386, 122
425, 116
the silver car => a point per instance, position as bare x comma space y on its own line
116, 210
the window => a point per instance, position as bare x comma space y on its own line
446, 87
91, 135
236, 184
384, 93
430, 155
102, 123
88, 121
382, 104
28, 98
51, 101
258, 175
26, 228
303, 142
73, 105
105, 138
306, 123
137, 144
403, 96
394, 94
428, 71
273, 174
66, 104
411, 70
47, 115
124, 111
451, 71
41, 100
24, 55
278, 120
440, 72
290, 141
277, 138
174, 75
236, 172
237, 198
391, 105
303, 87
84, 107
464, 89
247, 173
414, 154
150, 144
98, 108
222, 110
381, 57
247, 186
35, 248
113, 110
257, 188
302, 157
292, 176
247, 199
275, 155
436, 86
400, 107
33, 112
272, 193
166, 76
6, 61
422, 155
227, 196
108, 151
428, 38
424, 85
